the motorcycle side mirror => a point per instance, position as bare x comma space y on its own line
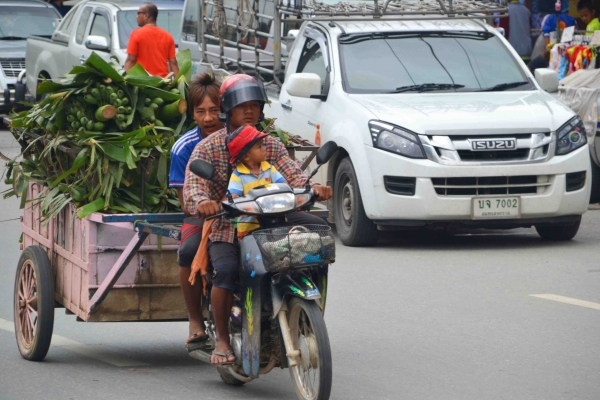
324, 154
202, 169
205, 170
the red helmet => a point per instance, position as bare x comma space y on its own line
240, 88
241, 140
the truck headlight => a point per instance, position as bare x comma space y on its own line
570, 136
395, 139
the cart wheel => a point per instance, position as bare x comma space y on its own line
34, 304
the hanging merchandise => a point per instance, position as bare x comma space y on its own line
567, 58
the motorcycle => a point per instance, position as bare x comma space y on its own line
277, 316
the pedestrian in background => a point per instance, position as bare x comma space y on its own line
519, 28
58, 4
588, 14
549, 24
151, 46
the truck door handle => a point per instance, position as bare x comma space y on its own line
287, 106
82, 58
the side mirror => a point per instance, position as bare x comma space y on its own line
303, 84
202, 169
323, 155
291, 37
97, 43
326, 152
547, 79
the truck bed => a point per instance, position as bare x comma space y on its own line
44, 57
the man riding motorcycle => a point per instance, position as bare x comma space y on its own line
242, 101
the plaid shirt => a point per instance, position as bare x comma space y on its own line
214, 151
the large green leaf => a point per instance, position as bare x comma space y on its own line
96, 62
153, 81
137, 70
89, 208
77, 163
184, 60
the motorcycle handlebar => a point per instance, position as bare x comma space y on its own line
216, 216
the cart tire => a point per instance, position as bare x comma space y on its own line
34, 304
228, 379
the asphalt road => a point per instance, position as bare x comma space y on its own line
416, 317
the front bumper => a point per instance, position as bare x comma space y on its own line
427, 206
7, 99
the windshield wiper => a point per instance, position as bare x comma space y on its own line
427, 86
12, 38
504, 86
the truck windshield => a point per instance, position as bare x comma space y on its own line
436, 61
16, 23
169, 20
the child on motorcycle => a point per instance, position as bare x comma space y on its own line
246, 146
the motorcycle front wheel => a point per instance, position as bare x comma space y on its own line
313, 374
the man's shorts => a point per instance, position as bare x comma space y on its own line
191, 234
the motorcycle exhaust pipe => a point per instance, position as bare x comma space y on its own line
200, 355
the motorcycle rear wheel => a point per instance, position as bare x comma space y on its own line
313, 375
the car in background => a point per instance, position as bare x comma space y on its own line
20, 19
100, 26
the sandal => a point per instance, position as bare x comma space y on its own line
226, 355
197, 338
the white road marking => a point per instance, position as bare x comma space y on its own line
80, 348
568, 300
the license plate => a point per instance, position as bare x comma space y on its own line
496, 207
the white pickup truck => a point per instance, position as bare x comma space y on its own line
438, 121
100, 26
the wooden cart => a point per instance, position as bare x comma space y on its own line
105, 267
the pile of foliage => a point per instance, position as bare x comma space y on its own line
101, 139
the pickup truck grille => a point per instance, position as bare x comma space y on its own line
12, 68
492, 185
462, 149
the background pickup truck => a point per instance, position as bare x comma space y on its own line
103, 27
438, 122
20, 19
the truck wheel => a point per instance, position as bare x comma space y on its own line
559, 232
41, 77
351, 222
595, 196
34, 304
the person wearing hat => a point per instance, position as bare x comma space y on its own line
246, 146
242, 99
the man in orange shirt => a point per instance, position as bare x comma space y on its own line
151, 46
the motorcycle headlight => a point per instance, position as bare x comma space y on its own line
249, 207
570, 136
397, 140
277, 203
302, 199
